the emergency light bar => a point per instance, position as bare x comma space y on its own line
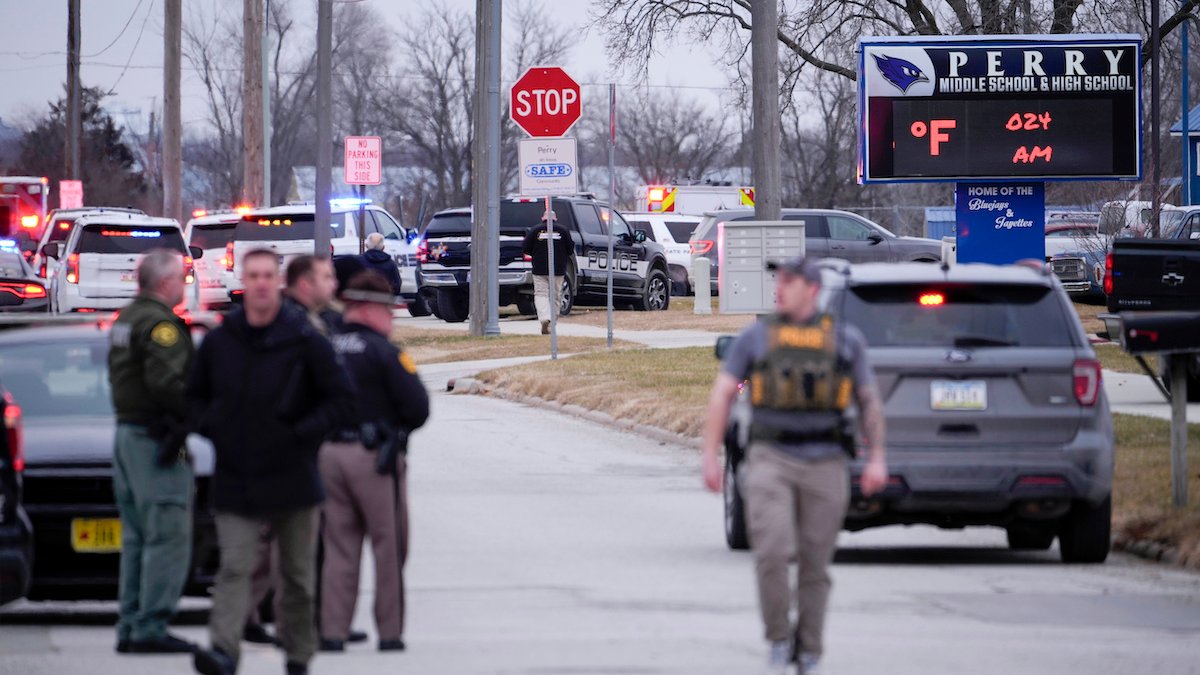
8, 245
144, 234
345, 202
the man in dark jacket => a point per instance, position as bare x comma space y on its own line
266, 389
536, 248
378, 260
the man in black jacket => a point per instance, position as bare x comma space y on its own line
538, 250
266, 389
376, 258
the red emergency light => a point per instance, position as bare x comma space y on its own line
932, 299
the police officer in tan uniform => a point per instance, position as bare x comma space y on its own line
364, 468
804, 369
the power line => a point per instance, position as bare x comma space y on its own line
123, 29
141, 31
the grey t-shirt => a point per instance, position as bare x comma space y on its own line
751, 345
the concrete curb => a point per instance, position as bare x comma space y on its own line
1153, 551
470, 385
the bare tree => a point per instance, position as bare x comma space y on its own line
671, 138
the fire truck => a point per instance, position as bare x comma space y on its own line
23, 202
696, 199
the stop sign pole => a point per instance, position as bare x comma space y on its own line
546, 104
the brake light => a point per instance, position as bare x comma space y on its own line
1108, 275
23, 291
1087, 381
73, 268
1042, 481
189, 270
29, 222
527, 258
932, 299
700, 246
227, 259
64, 225
12, 430
423, 251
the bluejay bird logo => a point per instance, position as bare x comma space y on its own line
902, 74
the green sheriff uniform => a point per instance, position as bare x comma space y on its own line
150, 353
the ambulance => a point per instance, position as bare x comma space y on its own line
23, 209
696, 199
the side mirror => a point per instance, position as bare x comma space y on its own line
196, 252
722, 346
51, 250
639, 236
874, 238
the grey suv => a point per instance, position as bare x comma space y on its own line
995, 411
827, 234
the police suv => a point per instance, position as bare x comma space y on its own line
640, 278
290, 230
96, 267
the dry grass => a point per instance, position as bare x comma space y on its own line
1112, 357
1088, 314
678, 317
668, 388
443, 346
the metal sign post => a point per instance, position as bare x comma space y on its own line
553, 284
612, 198
362, 219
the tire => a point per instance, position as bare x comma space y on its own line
1030, 537
656, 296
418, 307
453, 307
1083, 534
527, 307
679, 282
736, 536
566, 296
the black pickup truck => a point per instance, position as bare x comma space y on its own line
1149, 275
639, 276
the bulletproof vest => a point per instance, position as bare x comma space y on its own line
800, 388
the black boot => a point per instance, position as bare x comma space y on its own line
214, 662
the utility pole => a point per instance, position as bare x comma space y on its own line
485, 171
252, 95
172, 136
266, 104
74, 121
324, 127
764, 45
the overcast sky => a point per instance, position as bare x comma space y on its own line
122, 49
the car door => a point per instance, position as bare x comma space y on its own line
592, 259
629, 256
856, 241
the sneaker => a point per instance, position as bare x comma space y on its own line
356, 636
391, 645
331, 645
123, 646
779, 657
167, 644
256, 633
545, 328
809, 664
213, 662
296, 669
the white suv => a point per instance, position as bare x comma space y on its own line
289, 230
96, 267
212, 234
672, 230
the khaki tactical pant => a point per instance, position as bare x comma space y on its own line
155, 505
360, 504
794, 507
238, 537
541, 292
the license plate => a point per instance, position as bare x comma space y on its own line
96, 535
128, 276
955, 395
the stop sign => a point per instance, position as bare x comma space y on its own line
545, 102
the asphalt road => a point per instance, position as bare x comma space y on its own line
545, 544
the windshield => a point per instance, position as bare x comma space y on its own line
121, 239
958, 315
57, 378
1081, 231
517, 217
213, 236
286, 227
448, 225
60, 230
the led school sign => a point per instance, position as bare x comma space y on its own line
1000, 108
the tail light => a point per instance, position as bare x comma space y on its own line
12, 432
227, 260
1108, 275
73, 268
423, 251
527, 258
700, 247
1087, 381
189, 270
24, 291
29, 222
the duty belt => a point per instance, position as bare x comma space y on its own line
759, 433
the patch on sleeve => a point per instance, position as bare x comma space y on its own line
165, 334
407, 363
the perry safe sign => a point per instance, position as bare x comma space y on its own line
1000, 107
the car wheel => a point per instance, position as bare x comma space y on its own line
656, 295
453, 306
735, 510
526, 306
679, 282
1083, 534
1030, 537
566, 297
418, 307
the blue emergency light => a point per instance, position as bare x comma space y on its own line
9, 245
348, 202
